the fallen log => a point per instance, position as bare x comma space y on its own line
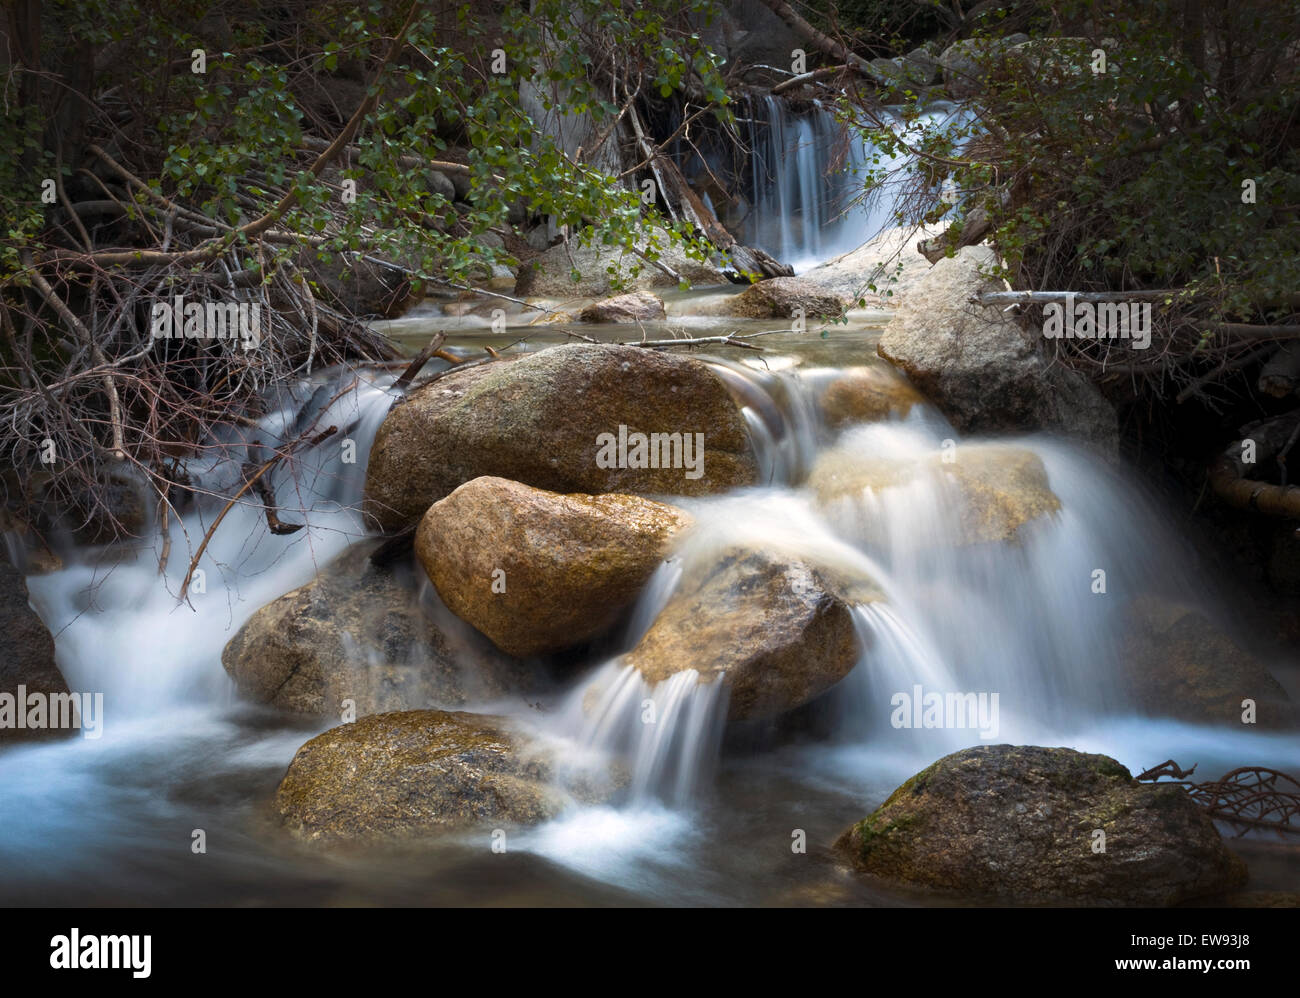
745, 260
1281, 372
1229, 478
973, 230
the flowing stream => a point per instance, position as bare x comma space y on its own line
710, 811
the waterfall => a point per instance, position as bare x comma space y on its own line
809, 177
965, 621
120, 627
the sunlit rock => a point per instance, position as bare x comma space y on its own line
638, 306
537, 571
990, 491
412, 773
866, 395
547, 419
784, 298
980, 367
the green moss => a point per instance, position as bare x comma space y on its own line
1109, 767
873, 830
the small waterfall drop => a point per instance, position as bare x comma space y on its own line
809, 175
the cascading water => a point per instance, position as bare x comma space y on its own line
1012, 631
809, 176
1017, 619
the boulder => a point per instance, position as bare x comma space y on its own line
30, 660
538, 572
1020, 823
866, 395
774, 631
412, 773
603, 271
968, 62
781, 298
1179, 664
983, 371
553, 420
993, 490
880, 273
358, 631
440, 184
638, 306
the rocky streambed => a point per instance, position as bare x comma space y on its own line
587, 623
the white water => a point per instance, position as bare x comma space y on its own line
819, 189
1016, 620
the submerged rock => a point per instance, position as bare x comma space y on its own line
866, 395
537, 571
554, 420
1179, 664
416, 772
639, 306
356, 632
29, 661
983, 370
775, 632
1020, 822
992, 490
781, 298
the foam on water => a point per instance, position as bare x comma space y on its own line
1016, 619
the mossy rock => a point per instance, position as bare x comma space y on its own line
1020, 823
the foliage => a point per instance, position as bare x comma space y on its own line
1132, 177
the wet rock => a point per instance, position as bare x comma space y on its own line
551, 275
782, 298
29, 659
116, 507
536, 571
552, 420
774, 631
359, 632
866, 395
639, 306
1019, 823
1179, 664
983, 370
992, 490
412, 773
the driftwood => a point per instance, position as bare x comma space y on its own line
679, 196
974, 228
1230, 479
1280, 375
1250, 797
822, 41
816, 76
